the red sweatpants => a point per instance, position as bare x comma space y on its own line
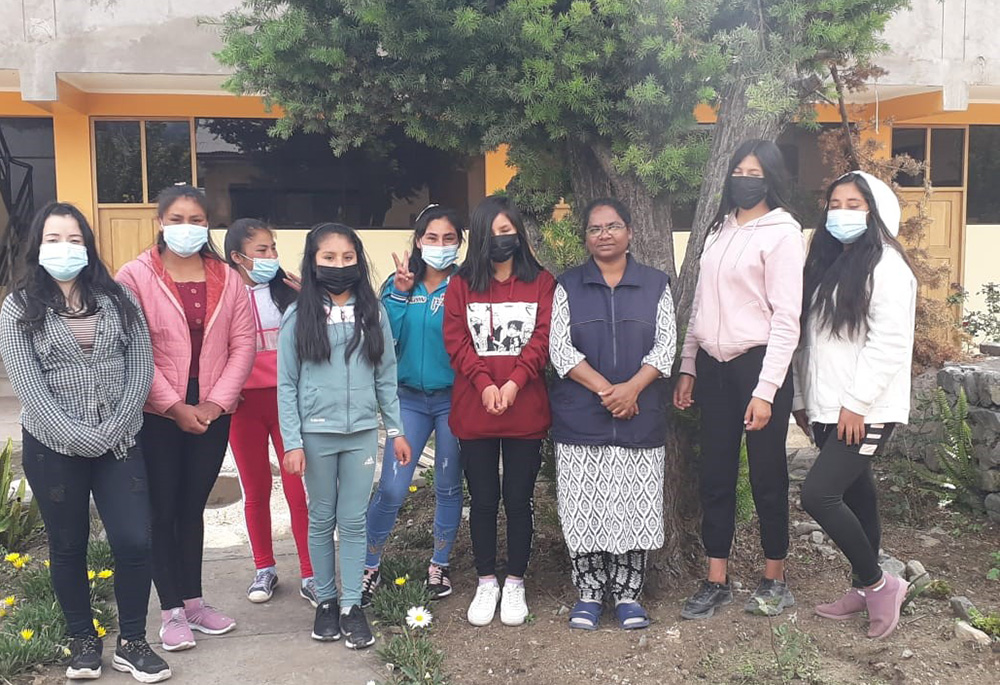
255, 420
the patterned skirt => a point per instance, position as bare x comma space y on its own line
610, 498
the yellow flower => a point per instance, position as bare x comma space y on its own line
20, 562
413, 488
27, 634
46, 563
400, 581
90, 574
12, 557
25, 558
3, 612
105, 574
101, 631
9, 600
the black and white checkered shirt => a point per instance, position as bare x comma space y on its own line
74, 403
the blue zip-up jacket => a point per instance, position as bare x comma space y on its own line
335, 396
417, 321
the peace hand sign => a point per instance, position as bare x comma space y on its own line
403, 278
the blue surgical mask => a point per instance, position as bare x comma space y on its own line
185, 240
847, 225
63, 261
264, 269
439, 257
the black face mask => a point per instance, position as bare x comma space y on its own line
338, 279
503, 247
747, 191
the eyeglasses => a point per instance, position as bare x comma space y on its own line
614, 229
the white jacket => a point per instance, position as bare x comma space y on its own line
870, 373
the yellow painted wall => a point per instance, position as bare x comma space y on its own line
982, 242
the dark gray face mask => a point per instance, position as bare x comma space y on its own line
747, 191
503, 247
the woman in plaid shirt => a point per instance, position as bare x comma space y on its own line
77, 350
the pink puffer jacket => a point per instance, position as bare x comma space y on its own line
228, 350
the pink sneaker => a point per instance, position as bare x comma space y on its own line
207, 619
848, 606
884, 605
175, 631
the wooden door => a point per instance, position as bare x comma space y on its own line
943, 238
124, 233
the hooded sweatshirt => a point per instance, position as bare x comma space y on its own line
749, 294
417, 320
869, 373
492, 337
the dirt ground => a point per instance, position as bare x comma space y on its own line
732, 647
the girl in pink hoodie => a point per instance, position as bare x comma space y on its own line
743, 331
203, 350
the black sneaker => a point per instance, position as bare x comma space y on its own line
138, 658
369, 582
438, 581
770, 598
356, 630
326, 627
85, 658
709, 597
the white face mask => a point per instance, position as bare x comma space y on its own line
185, 240
63, 261
439, 257
847, 225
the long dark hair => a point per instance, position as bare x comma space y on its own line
477, 269
772, 162
237, 234
839, 280
311, 340
36, 291
432, 213
167, 197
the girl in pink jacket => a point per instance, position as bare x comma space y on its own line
743, 331
203, 350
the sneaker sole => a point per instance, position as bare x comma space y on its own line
179, 647
313, 602
209, 631
441, 595
708, 613
259, 597
124, 666
83, 673
320, 638
357, 645
837, 617
516, 621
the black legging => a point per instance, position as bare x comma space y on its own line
62, 485
183, 468
840, 494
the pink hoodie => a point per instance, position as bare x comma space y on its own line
749, 294
229, 346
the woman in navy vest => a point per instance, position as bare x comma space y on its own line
612, 345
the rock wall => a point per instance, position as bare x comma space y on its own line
919, 440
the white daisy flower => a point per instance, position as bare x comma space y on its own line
418, 617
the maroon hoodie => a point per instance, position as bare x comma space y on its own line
493, 337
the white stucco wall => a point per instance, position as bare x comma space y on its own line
41, 38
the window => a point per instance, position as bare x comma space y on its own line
947, 157
168, 154
136, 159
984, 169
913, 143
32, 162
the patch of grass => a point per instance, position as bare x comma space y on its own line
937, 589
994, 572
413, 659
988, 623
402, 588
18, 521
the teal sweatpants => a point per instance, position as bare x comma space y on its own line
340, 470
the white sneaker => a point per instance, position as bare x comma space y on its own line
513, 608
484, 604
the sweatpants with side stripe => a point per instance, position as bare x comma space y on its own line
840, 494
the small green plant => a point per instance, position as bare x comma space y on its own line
981, 324
796, 655
18, 521
414, 659
937, 589
959, 481
397, 594
994, 572
988, 623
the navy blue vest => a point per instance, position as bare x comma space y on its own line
614, 329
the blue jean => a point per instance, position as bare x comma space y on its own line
422, 414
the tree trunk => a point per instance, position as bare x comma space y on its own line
732, 127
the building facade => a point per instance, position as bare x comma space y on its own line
105, 102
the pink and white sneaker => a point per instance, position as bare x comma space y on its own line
207, 619
175, 632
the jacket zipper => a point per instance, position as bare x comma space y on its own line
614, 357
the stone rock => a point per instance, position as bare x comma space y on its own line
992, 503
951, 378
807, 527
914, 569
800, 461
465, 513
907, 654
826, 550
990, 480
926, 541
563, 610
817, 537
990, 348
226, 491
962, 606
893, 566
966, 633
